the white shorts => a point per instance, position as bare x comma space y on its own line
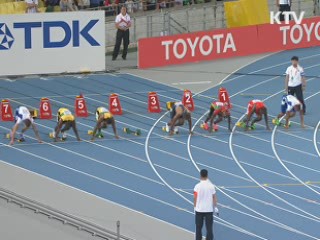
21, 114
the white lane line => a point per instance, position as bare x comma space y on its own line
266, 203
266, 68
156, 149
97, 178
282, 163
284, 226
315, 139
253, 179
173, 189
191, 83
189, 152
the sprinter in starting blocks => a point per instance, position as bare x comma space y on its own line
65, 121
104, 118
178, 115
25, 116
218, 111
258, 108
289, 106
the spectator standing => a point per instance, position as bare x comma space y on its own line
205, 203
284, 6
32, 6
122, 23
94, 3
50, 5
129, 6
67, 5
83, 4
295, 82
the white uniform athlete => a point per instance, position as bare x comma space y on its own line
23, 115
289, 106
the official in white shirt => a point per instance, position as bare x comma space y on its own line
123, 23
284, 6
205, 204
295, 82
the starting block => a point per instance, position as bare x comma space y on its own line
167, 129
98, 135
53, 135
129, 131
277, 122
205, 126
243, 125
8, 136
34, 113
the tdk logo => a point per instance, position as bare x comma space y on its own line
72, 33
6, 38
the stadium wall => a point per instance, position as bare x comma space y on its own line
52, 43
226, 43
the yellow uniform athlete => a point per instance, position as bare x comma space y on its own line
104, 117
66, 120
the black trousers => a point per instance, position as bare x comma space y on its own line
200, 219
297, 91
121, 35
284, 8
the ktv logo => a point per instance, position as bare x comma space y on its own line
6, 38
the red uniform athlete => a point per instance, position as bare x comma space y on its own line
259, 108
220, 110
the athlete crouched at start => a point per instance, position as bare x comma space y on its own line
178, 115
218, 111
258, 108
289, 106
65, 121
104, 118
23, 115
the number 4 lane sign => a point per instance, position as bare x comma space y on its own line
114, 104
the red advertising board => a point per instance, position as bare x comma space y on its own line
226, 43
